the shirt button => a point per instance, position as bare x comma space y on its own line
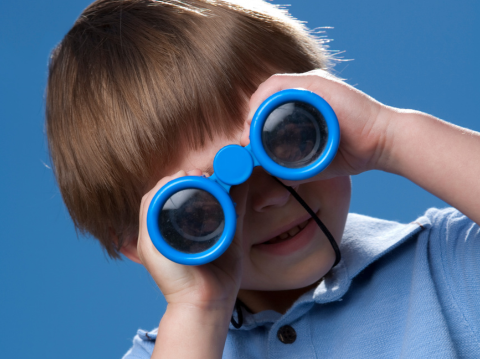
286, 334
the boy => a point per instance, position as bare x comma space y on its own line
141, 92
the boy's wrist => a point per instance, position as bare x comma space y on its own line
213, 311
397, 124
192, 331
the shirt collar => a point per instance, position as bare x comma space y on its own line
365, 239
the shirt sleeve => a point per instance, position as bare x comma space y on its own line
455, 242
143, 344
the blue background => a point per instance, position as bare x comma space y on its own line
60, 297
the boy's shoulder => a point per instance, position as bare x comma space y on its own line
377, 234
366, 239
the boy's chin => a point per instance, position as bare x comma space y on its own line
289, 283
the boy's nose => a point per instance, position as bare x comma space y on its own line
266, 192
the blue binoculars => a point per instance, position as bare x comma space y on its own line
294, 135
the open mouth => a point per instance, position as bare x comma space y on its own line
285, 236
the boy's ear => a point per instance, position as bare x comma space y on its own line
129, 247
129, 250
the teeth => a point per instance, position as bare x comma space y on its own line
288, 234
294, 231
304, 224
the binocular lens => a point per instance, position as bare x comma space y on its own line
191, 221
294, 134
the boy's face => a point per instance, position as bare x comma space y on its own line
283, 248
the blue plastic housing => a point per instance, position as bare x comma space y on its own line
165, 193
261, 115
233, 165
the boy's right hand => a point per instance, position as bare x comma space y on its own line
213, 285
200, 298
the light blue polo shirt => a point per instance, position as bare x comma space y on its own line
400, 291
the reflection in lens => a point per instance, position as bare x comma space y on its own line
294, 134
191, 221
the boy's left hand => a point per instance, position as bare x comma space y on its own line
363, 130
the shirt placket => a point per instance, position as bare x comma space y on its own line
291, 336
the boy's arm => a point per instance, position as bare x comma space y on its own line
442, 158
186, 331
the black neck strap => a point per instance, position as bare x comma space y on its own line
338, 255
238, 310
325, 230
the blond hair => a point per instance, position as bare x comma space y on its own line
136, 82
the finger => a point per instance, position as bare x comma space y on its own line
145, 247
278, 83
195, 172
318, 81
147, 198
273, 84
165, 180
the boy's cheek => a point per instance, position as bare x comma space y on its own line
333, 198
334, 190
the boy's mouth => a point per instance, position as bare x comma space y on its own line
285, 236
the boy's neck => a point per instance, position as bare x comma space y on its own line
279, 301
